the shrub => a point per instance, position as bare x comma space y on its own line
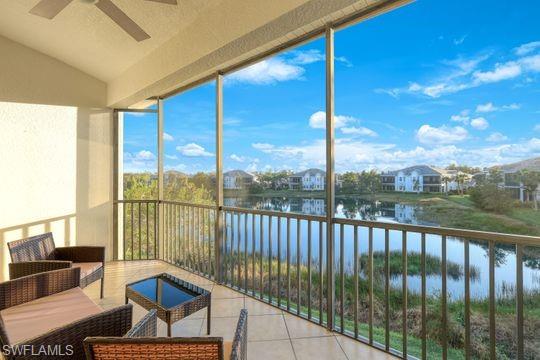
490, 197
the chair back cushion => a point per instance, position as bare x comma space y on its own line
39, 247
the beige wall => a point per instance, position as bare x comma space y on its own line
55, 152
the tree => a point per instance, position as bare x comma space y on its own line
530, 180
445, 179
350, 182
369, 182
460, 179
491, 197
495, 176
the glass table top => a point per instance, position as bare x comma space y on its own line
162, 291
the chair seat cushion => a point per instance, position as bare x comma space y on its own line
88, 267
34, 318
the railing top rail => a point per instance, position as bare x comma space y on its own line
184, 203
125, 201
275, 213
434, 230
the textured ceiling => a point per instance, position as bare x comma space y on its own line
82, 36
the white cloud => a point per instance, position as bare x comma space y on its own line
141, 161
238, 158
501, 72
463, 117
462, 74
531, 63
145, 155
268, 71
427, 134
496, 137
489, 107
306, 57
479, 123
460, 40
344, 61
317, 120
355, 154
485, 108
527, 48
358, 130
193, 150
537, 127
171, 157
167, 137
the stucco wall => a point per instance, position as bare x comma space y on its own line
55, 152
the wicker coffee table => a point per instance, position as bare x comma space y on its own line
173, 298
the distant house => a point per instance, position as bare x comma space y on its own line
308, 180
512, 179
423, 178
237, 179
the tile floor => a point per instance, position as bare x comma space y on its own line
272, 333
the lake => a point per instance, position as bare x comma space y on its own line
393, 213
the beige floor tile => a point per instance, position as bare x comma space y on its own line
221, 292
227, 307
300, 328
270, 350
357, 350
224, 327
256, 307
185, 327
267, 327
323, 348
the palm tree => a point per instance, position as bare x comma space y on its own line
446, 179
460, 178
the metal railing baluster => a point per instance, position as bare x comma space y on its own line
519, 302
279, 262
321, 273
467, 274
444, 314
492, 333
288, 264
309, 270
424, 314
387, 289
404, 291
370, 283
342, 277
355, 267
298, 264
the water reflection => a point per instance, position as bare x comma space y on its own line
361, 209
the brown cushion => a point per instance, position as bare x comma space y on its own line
87, 267
227, 349
34, 318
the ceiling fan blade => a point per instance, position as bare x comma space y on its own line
170, 2
122, 20
49, 8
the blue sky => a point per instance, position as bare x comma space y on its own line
430, 83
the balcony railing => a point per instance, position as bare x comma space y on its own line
382, 274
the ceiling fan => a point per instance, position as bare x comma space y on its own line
50, 8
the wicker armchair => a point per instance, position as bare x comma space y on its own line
35, 316
38, 253
140, 343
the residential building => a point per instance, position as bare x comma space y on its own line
512, 179
424, 178
238, 179
308, 180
